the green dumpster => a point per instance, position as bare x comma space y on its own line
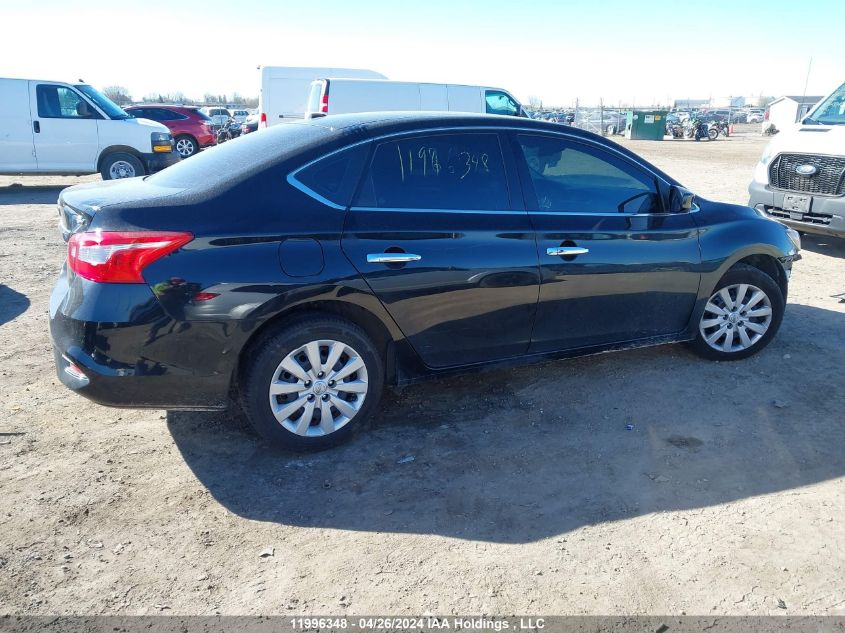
646, 125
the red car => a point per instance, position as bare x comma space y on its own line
191, 128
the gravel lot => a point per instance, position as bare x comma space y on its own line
526, 493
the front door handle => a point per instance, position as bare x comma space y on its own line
392, 258
566, 251
36, 125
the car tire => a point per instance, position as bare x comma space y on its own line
186, 145
121, 165
276, 400
737, 322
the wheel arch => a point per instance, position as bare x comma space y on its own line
119, 149
768, 264
378, 332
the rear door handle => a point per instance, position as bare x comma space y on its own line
392, 258
566, 251
36, 125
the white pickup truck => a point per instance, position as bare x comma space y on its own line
800, 179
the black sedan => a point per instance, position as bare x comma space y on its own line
300, 270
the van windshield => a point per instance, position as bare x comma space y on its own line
831, 111
112, 110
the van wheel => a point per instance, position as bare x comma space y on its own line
186, 146
121, 165
311, 385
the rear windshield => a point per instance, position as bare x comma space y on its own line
240, 158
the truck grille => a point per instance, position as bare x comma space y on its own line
829, 180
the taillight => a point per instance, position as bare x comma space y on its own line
120, 256
324, 103
263, 121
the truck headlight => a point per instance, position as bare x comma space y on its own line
161, 142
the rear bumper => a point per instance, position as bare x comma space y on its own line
157, 161
115, 345
207, 139
826, 216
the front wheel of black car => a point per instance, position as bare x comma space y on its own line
741, 317
312, 384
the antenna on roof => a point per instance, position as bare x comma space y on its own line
82, 81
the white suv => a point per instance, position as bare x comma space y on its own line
218, 115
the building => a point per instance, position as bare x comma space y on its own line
788, 110
690, 104
727, 102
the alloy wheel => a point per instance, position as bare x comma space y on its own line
318, 388
185, 147
736, 317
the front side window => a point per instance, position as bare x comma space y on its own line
569, 177
444, 171
499, 102
60, 102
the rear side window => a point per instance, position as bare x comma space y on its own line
444, 171
60, 102
335, 176
163, 114
202, 115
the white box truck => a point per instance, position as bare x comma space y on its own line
343, 96
52, 127
284, 90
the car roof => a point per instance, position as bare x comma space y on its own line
168, 106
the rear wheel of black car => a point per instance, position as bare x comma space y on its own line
312, 384
741, 317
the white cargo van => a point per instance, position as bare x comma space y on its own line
343, 96
800, 179
51, 127
284, 90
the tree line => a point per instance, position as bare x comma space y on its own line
121, 97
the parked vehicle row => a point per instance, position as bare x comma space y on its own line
379, 249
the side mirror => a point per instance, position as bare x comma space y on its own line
82, 110
680, 199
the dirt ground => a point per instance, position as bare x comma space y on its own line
525, 494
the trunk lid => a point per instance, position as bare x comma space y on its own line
78, 205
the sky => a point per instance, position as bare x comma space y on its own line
632, 53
